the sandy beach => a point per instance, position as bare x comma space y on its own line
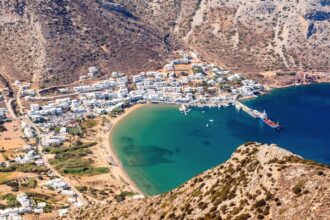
120, 170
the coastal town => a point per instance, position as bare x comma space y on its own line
207, 85
60, 151
164, 109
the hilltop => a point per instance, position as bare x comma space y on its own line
53, 42
258, 181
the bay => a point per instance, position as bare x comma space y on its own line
161, 148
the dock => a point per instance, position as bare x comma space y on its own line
251, 112
256, 114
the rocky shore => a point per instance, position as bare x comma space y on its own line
259, 181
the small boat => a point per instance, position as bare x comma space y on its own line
207, 125
211, 120
183, 108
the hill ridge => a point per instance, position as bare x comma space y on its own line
258, 181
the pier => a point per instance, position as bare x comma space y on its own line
240, 106
256, 114
252, 112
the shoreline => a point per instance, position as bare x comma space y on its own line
270, 87
112, 151
115, 122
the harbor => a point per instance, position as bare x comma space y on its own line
167, 142
258, 115
239, 106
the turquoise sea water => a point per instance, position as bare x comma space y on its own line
161, 148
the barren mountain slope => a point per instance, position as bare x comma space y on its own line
248, 35
257, 35
258, 181
55, 41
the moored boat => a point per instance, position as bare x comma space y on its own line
271, 123
183, 108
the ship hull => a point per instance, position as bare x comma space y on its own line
272, 124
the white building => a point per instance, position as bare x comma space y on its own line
63, 90
233, 77
62, 212
122, 80
50, 140
137, 78
92, 71
28, 92
34, 107
23, 200
57, 184
169, 66
29, 132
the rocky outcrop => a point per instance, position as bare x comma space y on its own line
257, 182
318, 16
116, 8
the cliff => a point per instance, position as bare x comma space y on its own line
257, 182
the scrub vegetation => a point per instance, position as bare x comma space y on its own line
74, 159
258, 182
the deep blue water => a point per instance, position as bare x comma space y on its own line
161, 148
304, 112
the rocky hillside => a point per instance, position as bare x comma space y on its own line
55, 41
248, 35
257, 182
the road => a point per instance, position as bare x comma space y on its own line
18, 101
56, 97
84, 200
39, 133
10, 108
80, 197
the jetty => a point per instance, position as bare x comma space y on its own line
258, 115
252, 112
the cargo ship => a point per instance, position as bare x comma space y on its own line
260, 115
269, 122
272, 124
